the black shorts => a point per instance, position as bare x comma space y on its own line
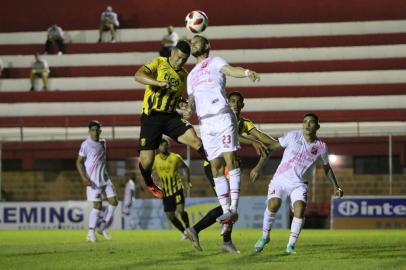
170, 202
156, 124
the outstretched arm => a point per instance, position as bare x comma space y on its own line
262, 136
145, 76
330, 174
239, 72
259, 147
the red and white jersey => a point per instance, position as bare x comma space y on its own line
207, 84
299, 157
95, 163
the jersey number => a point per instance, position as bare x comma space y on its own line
226, 139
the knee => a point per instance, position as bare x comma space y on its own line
273, 205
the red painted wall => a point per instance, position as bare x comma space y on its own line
28, 15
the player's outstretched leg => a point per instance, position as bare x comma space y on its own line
154, 189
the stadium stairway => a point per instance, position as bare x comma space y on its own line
353, 74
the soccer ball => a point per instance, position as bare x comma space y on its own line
196, 21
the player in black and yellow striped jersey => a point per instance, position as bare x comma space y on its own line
165, 80
259, 141
166, 166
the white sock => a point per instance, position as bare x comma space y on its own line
295, 229
221, 186
93, 216
235, 176
110, 212
269, 219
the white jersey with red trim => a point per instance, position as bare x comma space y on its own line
95, 163
207, 84
299, 157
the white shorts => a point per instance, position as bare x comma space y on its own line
219, 135
95, 194
281, 188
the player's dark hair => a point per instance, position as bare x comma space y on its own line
315, 117
94, 123
236, 93
183, 46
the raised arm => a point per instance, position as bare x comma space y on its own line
259, 147
262, 136
145, 76
331, 176
239, 72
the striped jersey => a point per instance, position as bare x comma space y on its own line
163, 99
167, 170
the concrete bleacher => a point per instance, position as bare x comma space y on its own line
352, 73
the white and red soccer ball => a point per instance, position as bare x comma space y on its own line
196, 21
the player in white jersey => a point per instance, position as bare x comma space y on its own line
303, 149
129, 198
91, 165
218, 124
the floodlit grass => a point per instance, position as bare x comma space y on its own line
316, 249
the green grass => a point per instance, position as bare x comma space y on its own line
317, 249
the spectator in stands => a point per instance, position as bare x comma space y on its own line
109, 22
55, 37
169, 41
39, 69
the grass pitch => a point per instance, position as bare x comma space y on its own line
316, 249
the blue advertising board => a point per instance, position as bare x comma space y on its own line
364, 212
